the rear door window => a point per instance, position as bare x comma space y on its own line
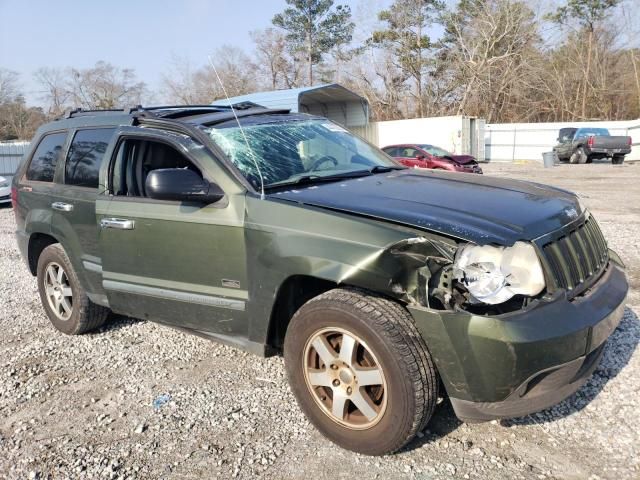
410, 152
391, 151
85, 156
43, 164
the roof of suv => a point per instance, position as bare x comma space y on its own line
189, 114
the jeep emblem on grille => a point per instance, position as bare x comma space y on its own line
571, 212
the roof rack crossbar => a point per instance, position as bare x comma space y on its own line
78, 111
140, 110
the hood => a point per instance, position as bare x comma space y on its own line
476, 208
461, 159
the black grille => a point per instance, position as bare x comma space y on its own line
577, 258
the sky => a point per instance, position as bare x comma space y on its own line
141, 34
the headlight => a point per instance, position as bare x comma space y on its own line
4, 184
495, 274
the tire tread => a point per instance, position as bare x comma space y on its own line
403, 336
90, 315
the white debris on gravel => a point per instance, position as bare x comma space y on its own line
83, 407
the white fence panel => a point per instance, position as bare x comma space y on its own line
508, 142
10, 157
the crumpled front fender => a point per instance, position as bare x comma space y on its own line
285, 240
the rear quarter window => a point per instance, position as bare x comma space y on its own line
43, 163
87, 150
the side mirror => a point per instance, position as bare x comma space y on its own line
183, 185
420, 157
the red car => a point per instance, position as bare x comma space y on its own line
430, 156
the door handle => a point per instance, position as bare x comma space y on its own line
120, 223
61, 206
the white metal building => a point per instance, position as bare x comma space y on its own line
457, 134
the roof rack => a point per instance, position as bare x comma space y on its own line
79, 111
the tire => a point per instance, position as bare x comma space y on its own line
617, 160
63, 297
578, 156
401, 396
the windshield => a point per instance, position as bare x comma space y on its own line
287, 151
435, 151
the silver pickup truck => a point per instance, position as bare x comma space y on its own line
583, 145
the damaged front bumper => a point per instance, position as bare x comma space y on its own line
514, 364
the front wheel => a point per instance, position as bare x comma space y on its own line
579, 156
360, 370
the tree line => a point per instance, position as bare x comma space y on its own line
501, 60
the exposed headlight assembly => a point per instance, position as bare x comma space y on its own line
493, 275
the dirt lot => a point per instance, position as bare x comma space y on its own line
138, 400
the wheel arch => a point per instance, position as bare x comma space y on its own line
38, 241
395, 272
294, 292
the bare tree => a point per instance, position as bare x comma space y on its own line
9, 89
374, 75
612, 88
273, 60
184, 84
105, 86
18, 121
235, 69
490, 48
584, 17
180, 85
55, 88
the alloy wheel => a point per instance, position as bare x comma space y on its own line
58, 291
344, 378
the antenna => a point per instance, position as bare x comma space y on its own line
233, 110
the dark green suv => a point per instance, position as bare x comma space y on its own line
278, 232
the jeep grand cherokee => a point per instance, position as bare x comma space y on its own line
282, 232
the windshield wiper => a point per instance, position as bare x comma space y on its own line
308, 179
384, 168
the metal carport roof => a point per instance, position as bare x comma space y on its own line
330, 100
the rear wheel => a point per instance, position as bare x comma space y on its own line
617, 159
65, 301
360, 370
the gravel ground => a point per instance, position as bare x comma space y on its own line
138, 400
